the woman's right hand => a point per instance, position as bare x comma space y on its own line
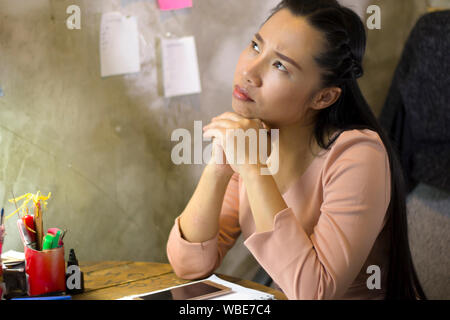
218, 163
204, 207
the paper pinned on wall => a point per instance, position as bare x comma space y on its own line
180, 67
124, 3
174, 4
119, 45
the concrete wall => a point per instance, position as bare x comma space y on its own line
102, 146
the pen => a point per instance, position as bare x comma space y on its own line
1, 219
24, 235
61, 243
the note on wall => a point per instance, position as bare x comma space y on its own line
180, 67
174, 4
119, 44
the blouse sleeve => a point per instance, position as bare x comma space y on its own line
199, 260
356, 195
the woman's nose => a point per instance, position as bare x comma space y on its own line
252, 76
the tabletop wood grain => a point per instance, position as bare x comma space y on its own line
109, 280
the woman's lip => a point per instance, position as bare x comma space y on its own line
240, 95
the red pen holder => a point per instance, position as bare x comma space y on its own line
45, 271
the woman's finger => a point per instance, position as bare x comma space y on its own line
222, 123
215, 133
229, 116
265, 126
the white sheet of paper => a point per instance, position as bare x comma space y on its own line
180, 67
237, 292
119, 44
12, 254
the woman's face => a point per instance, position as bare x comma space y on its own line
280, 87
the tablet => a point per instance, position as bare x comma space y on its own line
196, 291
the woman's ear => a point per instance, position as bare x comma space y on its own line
326, 97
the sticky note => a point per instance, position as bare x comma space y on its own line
119, 44
174, 4
180, 67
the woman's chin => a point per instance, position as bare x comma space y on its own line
244, 110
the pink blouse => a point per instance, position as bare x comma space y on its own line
323, 243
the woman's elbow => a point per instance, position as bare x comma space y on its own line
324, 289
188, 271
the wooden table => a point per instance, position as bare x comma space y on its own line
110, 280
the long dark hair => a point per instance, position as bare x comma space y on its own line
341, 63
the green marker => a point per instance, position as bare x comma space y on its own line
56, 240
48, 242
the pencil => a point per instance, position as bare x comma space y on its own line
15, 203
39, 226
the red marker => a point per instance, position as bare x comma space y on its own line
28, 221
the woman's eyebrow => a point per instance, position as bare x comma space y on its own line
282, 56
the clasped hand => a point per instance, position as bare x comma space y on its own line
242, 140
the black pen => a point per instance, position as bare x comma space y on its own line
62, 237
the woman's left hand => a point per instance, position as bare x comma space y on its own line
229, 126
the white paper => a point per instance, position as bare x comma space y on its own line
12, 254
12, 257
180, 67
119, 44
237, 292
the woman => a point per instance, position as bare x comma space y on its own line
335, 209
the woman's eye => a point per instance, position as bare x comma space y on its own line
279, 63
254, 44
